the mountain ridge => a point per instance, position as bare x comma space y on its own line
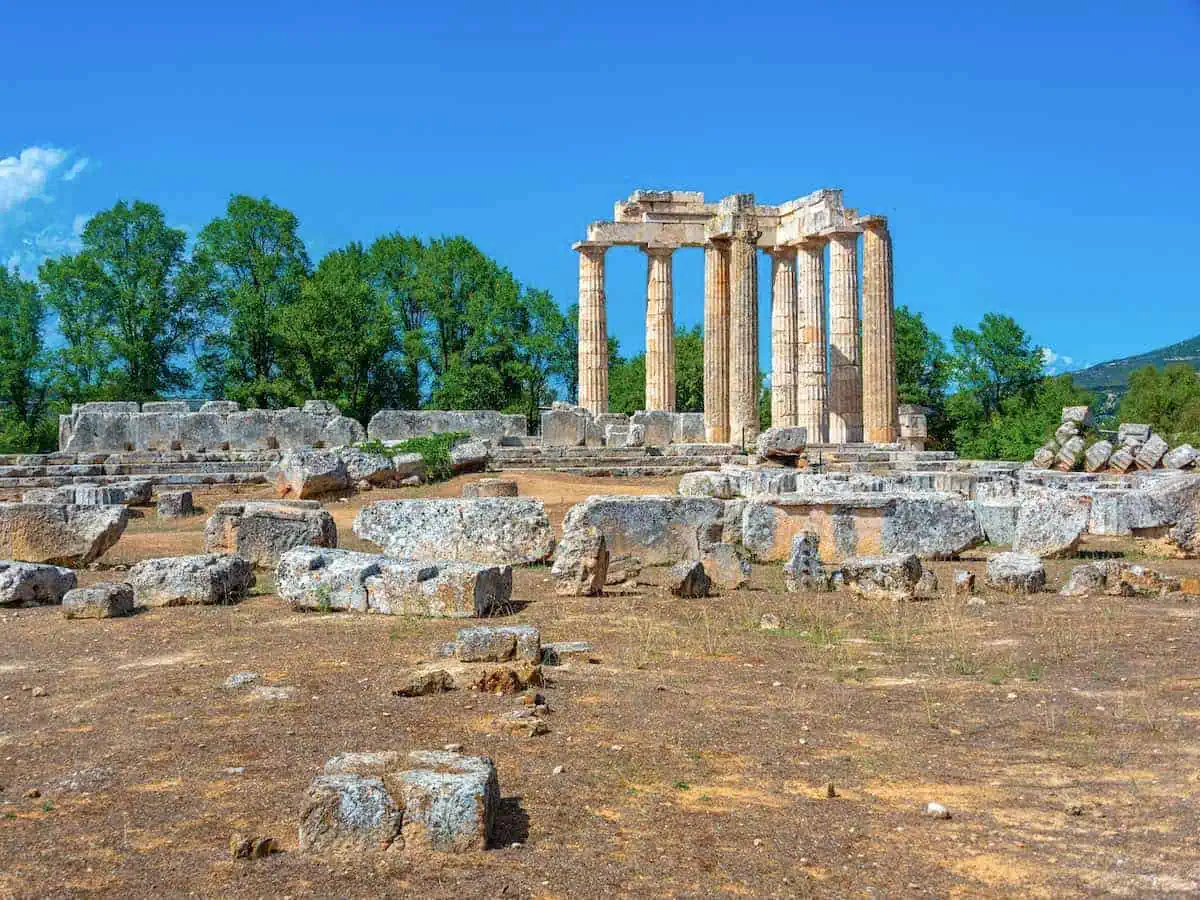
1113, 376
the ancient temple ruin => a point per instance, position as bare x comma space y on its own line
819, 380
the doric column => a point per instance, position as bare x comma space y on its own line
660, 330
743, 320
845, 373
812, 403
880, 405
716, 342
593, 329
785, 337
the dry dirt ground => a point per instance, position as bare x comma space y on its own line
697, 750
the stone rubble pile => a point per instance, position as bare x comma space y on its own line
1137, 448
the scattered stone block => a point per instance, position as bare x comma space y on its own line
553, 654
892, 577
629, 435
998, 518
1045, 456
63, 535
1132, 580
469, 456
1181, 457
658, 428
581, 563
489, 530
1097, 456
206, 578
31, 584
1051, 522
803, 571
782, 443
1065, 432
325, 579
409, 465
658, 530
371, 469
688, 579
1151, 453
262, 532
717, 485
425, 682
1069, 454
964, 583
1122, 460
498, 643
449, 801
1133, 431
348, 813
489, 487
928, 585
1015, 573
725, 567
689, 428
106, 600
175, 504
300, 474
1080, 415
439, 589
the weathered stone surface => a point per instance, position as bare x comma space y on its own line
439, 589
688, 579
54, 533
928, 586
342, 431
1069, 454
1044, 457
401, 424
490, 530
1080, 415
449, 801
581, 563
717, 485
30, 584
964, 583
1122, 460
408, 465
623, 569
183, 580
348, 813
1181, 457
565, 427
87, 494
625, 435
1097, 456
105, 600
373, 468
253, 429
1117, 578
891, 577
498, 643
321, 578
175, 504
510, 677
689, 428
658, 530
998, 519
203, 431
725, 567
371, 762
220, 407
751, 481
468, 456
803, 571
262, 532
1133, 431
1151, 453
300, 474
1051, 522
785, 443
1065, 432
490, 487
1015, 573
658, 428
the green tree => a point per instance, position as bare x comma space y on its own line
257, 263
566, 353
23, 423
143, 300
1167, 399
539, 347
341, 339
71, 286
923, 367
397, 265
689, 369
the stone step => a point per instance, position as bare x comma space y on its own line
176, 478
618, 471
649, 462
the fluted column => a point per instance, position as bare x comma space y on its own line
743, 333
660, 330
593, 329
785, 337
845, 373
880, 409
716, 342
812, 400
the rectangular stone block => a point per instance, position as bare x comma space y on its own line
439, 589
658, 427
253, 429
203, 431
565, 427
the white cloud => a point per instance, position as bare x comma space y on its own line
78, 223
79, 165
1056, 362
24, 177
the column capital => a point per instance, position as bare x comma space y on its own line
658, 249
781, 251
873, 223
811, 242
590, 247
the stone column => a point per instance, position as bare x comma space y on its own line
785, 337
593, 329
845, 374
660, 330
716, 342
743, 322
812, 402
880, 404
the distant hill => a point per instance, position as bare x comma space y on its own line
1112, 377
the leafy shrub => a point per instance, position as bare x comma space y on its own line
434, 450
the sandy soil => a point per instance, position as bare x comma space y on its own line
698, 750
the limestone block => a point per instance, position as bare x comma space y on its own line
724, 566
1050, 522
166, 406
1097, 456
29, 584
262, 532
689, 428
688, 579
1122, 460
1065, 432
374, 468
218, 407
294, 430
469, 456
803, 571
1181, 457
301, 474
1015, 573
751, 481
1133, 431
401, 424
175, 504
1080, 415
606, 420
348, 814
658, 427
708, 484
342, 431
488, 530
184, 580
327, 579
323, 410
490, 487
1044, 457
449, 801
1151, 454
998, 519
409, 465
565, 427
58, 534
891, 577
253, 429
659, 530
439, 589
203, 431
581, 563
625, 435
127, 493
106, 600
158, 430
1069, 454
783, 443
371, 762
498, 643
100, 430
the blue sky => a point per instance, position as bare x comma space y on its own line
1037, 159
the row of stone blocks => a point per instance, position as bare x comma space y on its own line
574, 426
